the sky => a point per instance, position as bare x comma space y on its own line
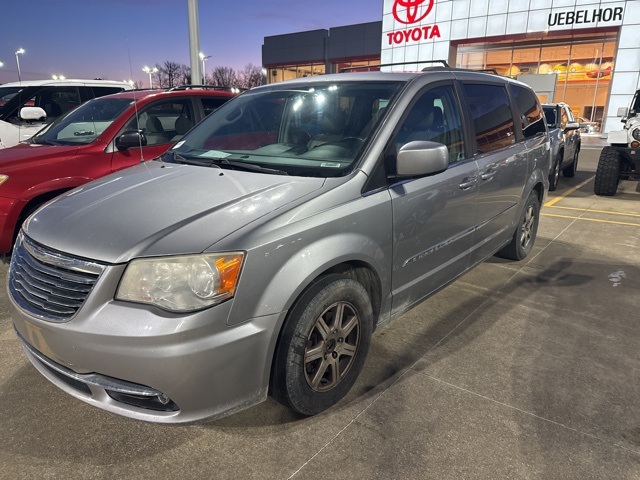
114, 39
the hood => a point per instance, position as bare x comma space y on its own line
160, 209
18, 155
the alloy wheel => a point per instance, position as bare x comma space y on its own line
528, 227
332, 346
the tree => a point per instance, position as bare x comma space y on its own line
250, 76
224, 77
170, 74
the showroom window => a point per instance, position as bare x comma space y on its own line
290, 72
583, 64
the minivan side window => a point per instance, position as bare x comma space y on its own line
531, 116
435, 117
491, 116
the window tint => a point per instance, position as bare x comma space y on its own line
58, 100
211, 104
531, 116
101, 91
55, 101
491, 115
164, 122
435, 117
550, 115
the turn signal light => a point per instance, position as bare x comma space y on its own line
635, 144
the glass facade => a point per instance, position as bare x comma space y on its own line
289, 72
583, 64
362, 65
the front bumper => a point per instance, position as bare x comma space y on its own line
632, 155
147, 364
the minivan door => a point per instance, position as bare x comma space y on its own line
502, 166
433, 216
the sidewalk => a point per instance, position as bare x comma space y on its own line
594, 141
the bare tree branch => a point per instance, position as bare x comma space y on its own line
250, 76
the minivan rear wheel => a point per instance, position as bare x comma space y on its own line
525, 234
323, 345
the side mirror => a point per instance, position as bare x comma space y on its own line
422, 158
131, 139
623, 111
33, 114
571, 126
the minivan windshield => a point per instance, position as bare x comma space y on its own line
84, 124
311, 129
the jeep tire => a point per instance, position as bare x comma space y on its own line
607, 173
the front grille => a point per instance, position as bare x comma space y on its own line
48, 284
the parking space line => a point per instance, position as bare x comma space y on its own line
591, 219
607, 212
550, 203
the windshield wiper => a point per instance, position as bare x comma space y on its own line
247, 166
217, 162
44, 142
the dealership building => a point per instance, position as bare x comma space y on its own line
582, 52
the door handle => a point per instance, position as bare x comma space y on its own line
468, 182
488, 175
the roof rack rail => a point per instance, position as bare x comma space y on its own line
350, 69
488, 70
206, 87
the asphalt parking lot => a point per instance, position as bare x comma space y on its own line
517, 370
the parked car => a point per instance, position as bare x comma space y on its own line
25, 107
564, 133
587, 126
102, 136
260, 252
621, 159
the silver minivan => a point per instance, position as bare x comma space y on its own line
258, 255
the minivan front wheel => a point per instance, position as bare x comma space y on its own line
525, 234
323, 345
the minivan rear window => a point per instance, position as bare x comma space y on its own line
491, 115
530, 111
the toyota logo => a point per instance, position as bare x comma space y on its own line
413, 7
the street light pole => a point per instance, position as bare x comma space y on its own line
204, 58
148, 70
20, 51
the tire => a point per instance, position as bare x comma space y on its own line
607, 173
526, 231
323, 345
570, 171
554, 174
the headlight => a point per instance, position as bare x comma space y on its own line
636, 133
3, 178
181, 284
